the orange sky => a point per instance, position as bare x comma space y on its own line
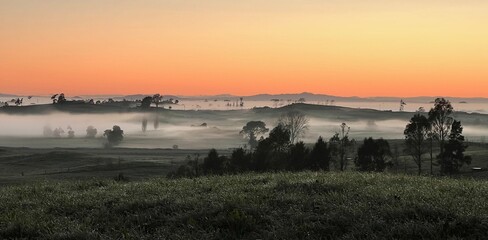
194, 47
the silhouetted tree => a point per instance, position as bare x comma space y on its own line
340, 145
114, 135
320, 156
441, 122
213, 163
373, 155
71, 133
19, 101
402, 105
144, 124
280, 138
146, 102
395, 157
271, 152
453, 158
261, 155
431, 148
156, 99
252, 130
296, 123
61, 98
240, 160
416, 138
91, 132
156, 122
58, 98
298, 156
57, 132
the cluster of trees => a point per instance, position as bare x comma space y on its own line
58, 98
156, 99
439, 127
282, 150
16, 101
114, 136
58, 132
91, 132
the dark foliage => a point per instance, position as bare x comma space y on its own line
215, 164
453, 158
373, 155
252, 130
240, 160
320, 156
146, 102
114, 135
299, 155
416, 136
91, 132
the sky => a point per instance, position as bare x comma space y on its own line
194, 47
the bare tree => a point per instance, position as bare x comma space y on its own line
296, 123
341, 142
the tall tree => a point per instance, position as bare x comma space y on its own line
271, 151
214, 164
252, 130
298, 156
320, 156
416, 135
156, 122
441, 122
453, 158
296, 123
144, 124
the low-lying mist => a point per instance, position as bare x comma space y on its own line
199, 131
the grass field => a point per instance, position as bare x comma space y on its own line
303, 205
20, 165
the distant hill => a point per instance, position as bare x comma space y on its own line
309, 97
7, 95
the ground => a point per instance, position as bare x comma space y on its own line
306, 205
19, 165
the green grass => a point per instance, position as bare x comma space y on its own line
250, 206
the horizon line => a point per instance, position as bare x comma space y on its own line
233, 95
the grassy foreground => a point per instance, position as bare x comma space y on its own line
265, 206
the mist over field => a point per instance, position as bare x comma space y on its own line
202, 129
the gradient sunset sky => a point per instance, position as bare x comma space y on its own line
197, 47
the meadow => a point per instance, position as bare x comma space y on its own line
312, 205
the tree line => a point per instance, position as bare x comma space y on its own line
282, 149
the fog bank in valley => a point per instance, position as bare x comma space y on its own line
182, 129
